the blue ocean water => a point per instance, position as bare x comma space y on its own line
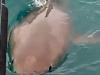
83, 59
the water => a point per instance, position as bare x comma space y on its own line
83, 59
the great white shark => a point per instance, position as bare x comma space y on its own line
42, 39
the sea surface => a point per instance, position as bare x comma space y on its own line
83, 59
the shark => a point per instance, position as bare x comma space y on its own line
42, 40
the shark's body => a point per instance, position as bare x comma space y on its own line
42, 42
39, 45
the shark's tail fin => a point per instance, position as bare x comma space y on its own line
87, 39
